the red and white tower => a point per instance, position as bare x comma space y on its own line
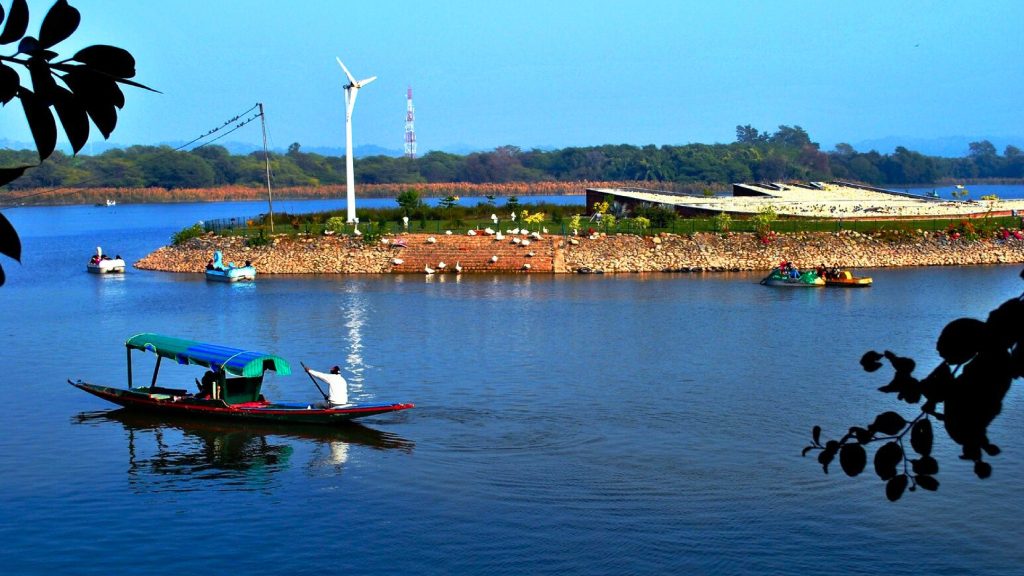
410, 130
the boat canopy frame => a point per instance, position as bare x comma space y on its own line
235, 361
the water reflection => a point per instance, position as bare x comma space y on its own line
170, 454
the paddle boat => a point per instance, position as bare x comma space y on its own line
100, 263
845, 278
217, 271
231, 389
808, 279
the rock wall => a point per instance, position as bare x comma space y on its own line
619, 253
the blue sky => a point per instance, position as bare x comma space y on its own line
559, 73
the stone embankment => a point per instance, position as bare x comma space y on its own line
554, 254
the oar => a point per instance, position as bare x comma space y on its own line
326, 398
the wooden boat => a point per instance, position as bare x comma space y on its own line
845, 278
218, 271
809, 279
230, 390
103, 264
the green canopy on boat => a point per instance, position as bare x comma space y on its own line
235, 361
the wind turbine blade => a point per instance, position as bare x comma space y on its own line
347, 73
367, 81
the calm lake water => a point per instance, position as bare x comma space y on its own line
640, 424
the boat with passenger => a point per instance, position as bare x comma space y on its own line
845, 279
100, 263
218, 271
231, 388
787, 274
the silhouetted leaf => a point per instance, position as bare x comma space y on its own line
895, 487
11, 174
9, 83
43, 84
925, 465
1017, 361
927, 482
852, 458
889, 423
60, 22
900, 364
73, 118
936, 385
10, 244
982, 469
921, 437
111, 60
870, 361
863, 435
40, 121
960, 340
991, 449
886, 459
17, 22
816, 434
1004, 322
806, 450
98, 94
28, 45
828, 454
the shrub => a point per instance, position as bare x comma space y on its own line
335, 224
194, 231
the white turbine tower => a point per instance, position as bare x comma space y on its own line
351, 91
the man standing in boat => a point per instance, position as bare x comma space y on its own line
337, 388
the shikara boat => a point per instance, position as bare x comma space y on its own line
231, 389
845, 278
809, 279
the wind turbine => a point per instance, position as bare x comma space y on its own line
351, 91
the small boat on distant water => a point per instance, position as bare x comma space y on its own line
809, 279
231, 388
217, 271
100, 263
107, 204
845, 278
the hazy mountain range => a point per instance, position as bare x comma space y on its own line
948, 146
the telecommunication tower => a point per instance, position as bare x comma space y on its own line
410, 131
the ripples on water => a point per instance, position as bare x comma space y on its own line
616, 424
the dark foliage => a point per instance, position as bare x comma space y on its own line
81, 88
980, 359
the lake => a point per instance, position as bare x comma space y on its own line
634, 424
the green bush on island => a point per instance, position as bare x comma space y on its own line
194, 231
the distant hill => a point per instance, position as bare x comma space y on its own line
93, 148
946, 147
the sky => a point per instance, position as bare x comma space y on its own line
558, 73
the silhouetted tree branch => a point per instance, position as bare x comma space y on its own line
81, 88
980, 361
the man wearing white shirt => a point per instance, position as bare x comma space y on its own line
337, 388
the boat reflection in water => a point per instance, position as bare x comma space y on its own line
166, 450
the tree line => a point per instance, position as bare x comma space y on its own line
787, 154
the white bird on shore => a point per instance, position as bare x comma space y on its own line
531, 253
499, 236
516, 240
397, 261
441, 265
525, 242
526, 266
431, 240
494, 258
448, 232
458, 268
514, 231
545, 230
471, 233
428, 269
489, 231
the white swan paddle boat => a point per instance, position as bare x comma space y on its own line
100, 263
217, 271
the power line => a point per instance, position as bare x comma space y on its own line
210, 132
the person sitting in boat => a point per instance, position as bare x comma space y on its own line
821, 270
206, 386
337, 388
794, 272
209, 264
95, 259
